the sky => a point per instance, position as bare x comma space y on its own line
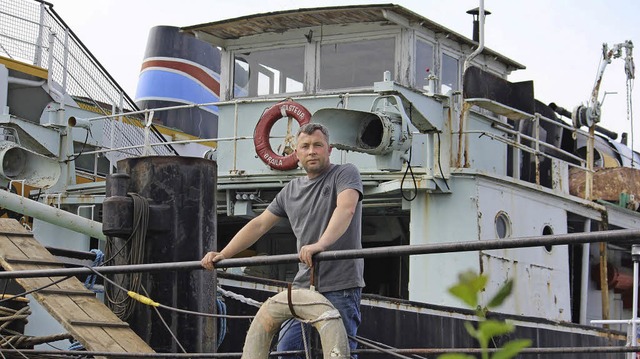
559, 42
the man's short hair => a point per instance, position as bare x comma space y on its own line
310, 128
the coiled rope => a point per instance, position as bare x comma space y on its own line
132, 252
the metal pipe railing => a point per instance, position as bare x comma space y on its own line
524, 147
622, 235
593, 350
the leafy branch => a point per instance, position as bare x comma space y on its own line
468, 290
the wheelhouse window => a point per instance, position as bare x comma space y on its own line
424, 63
268, 72
450, 74
355, 63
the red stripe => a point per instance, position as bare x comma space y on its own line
191, 70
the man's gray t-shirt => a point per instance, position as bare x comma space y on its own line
309, 204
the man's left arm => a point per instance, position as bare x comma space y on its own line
346, 203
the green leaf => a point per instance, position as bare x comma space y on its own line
502, 294
455, 356
468, 287
465, 293
511, 349
477, 282
493, 328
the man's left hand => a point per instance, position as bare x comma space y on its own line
307, 252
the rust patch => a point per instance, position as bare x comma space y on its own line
608, 183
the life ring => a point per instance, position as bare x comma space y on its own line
264, 126
311, 307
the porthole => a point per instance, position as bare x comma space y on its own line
503, 225
546, 231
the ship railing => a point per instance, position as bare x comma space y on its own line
628, 236
32, 32
533, 144
632, 323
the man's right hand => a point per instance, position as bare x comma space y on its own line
210, 259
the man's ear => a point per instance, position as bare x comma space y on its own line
330, 148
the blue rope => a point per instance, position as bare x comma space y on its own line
91, 280
222, 321
76, 346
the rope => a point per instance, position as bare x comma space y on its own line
119, 298
76, 345
239, 297
222, 321
304, 340
91, 279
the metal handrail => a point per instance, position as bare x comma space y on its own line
621, 235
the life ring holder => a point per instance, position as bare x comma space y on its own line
312, 308
261, 142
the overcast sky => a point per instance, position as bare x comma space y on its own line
560, 42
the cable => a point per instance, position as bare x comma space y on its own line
381, 349
35, 289
73, 158
165, 323
415, 185
440, 164
148, 301
630, 116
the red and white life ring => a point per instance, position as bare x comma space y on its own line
264, 126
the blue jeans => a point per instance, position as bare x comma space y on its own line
346, 301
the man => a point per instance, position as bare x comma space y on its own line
325, 212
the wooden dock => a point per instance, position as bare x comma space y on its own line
69, 302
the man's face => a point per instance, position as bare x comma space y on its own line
313, 152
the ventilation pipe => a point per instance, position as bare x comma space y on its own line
480, 19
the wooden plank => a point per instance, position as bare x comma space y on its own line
63, 309
66, 307
121, 336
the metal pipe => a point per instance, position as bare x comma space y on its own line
230, 102
584, 276
612, 321
635, 253
544, 144
527, 351
25, 82
524, 147
53, 215
477, 52
380, 349
379, 252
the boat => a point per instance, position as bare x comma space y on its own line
462, 170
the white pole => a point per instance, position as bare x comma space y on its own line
584, 278
635, 255
53, 215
